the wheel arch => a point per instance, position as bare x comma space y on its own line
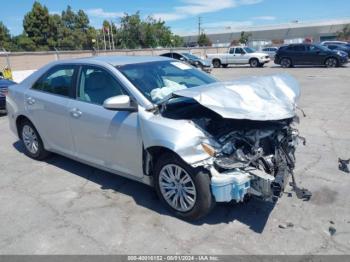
253, 58
19, 121
150, 157
332, 56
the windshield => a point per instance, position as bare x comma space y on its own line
249, 50
190, 56
157, 80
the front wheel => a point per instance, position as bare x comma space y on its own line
331, 62
183, 189
254, 62
286, 63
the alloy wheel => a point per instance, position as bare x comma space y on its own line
331, 62
30, 139
177, 187
285, 63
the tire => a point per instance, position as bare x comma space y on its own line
286, 63
33, 145
331, 62
216, 63
196, 202
254, 62
224, 65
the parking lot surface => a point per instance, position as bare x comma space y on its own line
60, 206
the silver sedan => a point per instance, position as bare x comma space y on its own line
161, 122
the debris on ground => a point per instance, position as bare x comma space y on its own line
332, 230
332, 222
287, 225
343, 165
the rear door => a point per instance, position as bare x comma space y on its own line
297, 54
46, 103
229, 57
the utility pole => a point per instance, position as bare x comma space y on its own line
112, 34
104, 37
199, 25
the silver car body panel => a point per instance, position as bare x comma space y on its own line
255, 98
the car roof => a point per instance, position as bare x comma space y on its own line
122, 60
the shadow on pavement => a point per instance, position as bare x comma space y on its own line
254, 213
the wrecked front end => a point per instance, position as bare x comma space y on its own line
251, 135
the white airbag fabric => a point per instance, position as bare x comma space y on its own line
271, 97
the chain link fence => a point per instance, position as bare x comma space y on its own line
34, 60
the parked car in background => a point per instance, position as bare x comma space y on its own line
239, 55
4, 84
309, 54
271, 51
161, 122
339, 47
334, 43
191, 59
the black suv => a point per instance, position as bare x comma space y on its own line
309, 54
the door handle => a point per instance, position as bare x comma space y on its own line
30, 100
75, 112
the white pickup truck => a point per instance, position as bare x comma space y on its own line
239, 55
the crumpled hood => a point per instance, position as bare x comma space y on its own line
262, 98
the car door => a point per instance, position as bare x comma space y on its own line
46, 104
298, 55
229, 57
103, 137
315, 55
240, 56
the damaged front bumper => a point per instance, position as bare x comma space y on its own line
236, 184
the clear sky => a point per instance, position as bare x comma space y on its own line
182, 15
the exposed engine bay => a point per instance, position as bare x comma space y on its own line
257, 155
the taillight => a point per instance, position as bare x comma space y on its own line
3, 91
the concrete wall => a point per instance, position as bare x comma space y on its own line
35, 60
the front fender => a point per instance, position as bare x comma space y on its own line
179, 136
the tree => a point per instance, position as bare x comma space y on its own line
23, 43
244, 39
203, 40
5, 37
36, 25
344, 34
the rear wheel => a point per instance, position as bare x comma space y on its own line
331, 62
183, 189
216, 63
31, 139
286, 62
254, 62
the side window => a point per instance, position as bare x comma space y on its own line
176, 56
298, 48
313, 48
239, 51
232, 50
96, 85
167, 55
59, 81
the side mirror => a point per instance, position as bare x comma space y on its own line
120, 103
